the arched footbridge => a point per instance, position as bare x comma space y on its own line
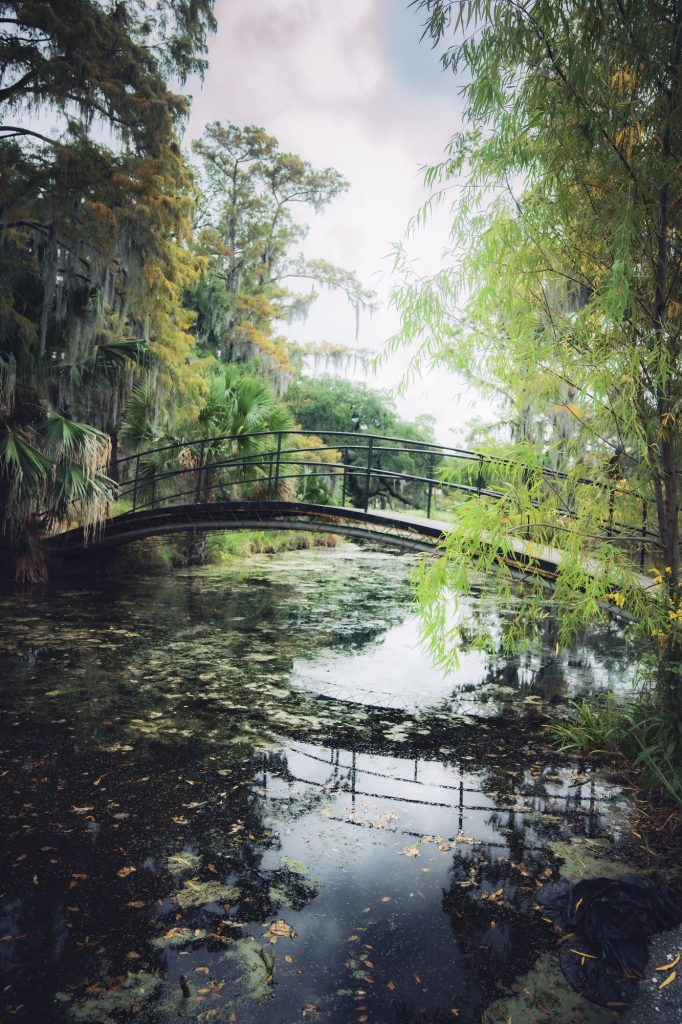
347, 483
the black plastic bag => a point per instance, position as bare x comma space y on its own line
612, 919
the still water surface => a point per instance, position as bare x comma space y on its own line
251, 778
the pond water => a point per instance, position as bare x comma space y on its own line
243, 794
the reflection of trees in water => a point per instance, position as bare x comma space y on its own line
544, 670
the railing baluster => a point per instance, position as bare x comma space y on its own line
270, 476
430, 490
277, 464
645, 516
368, 471
612, 501
137, 474
197, 498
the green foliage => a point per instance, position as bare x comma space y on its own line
93, 241
562, 291
244, 543
248, 230
47, 474
642, 732
332, 404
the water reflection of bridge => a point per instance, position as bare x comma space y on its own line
448, 801
339, 482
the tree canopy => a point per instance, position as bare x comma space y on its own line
562, 287
253, 197
96, 220
328, 404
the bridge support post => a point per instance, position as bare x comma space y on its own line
368, 472
430, 490
642, 546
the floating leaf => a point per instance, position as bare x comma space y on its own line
671, 977
391, 986
278, 930
124, 872
385, 899
410, 851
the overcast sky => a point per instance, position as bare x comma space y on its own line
349, 85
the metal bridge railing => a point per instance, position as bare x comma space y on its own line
345, 468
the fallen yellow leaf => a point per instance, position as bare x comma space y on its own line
124, 872
667, 967
671, 977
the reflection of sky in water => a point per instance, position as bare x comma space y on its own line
394, 670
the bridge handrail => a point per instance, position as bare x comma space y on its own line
339, 469
425, 447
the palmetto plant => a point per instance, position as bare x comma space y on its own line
226, 445
53, 466
48, 472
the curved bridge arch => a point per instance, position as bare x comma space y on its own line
271, 479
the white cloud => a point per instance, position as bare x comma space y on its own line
345, 85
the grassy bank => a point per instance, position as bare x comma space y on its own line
162, 554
